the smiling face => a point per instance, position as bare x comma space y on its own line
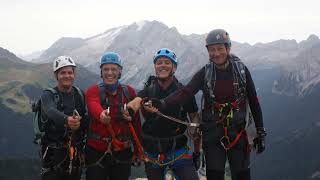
65, 77
164, 67
218, 53
110, 73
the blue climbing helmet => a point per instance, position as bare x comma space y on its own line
111, 58
167, 53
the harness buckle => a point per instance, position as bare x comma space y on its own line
225, 142
107, 139
44, 171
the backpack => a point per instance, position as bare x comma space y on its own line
240, 91
39, 121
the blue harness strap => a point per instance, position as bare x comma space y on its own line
173, 159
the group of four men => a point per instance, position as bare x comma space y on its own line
104, 124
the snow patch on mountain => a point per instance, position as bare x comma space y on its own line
136, 43
100, 42
141, 24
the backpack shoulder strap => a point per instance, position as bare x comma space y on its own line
149, 86
239, 75
55, 94
240, 68
126, 93
80, 94
103, 97
149, 81
210, 74
179, 84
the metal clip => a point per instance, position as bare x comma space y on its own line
45, 152
76, 114
125, 107
148, 103
194, 124
70, 167
108, 110
225, 142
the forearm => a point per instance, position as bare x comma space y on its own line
184, 94
49, 108
256, 113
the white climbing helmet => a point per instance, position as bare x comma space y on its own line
63, 61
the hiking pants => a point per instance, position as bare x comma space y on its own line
238, 157
112, 167
55, 165
61, 176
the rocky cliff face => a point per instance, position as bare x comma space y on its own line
301, 75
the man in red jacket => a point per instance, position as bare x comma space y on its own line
109, 153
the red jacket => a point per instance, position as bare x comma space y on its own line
120, 127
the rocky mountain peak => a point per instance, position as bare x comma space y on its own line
311, 41
313, 37
7, 57
5, 54
62, 46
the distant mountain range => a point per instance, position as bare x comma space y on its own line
137, 43
286, 75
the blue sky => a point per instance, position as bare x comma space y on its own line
33, 25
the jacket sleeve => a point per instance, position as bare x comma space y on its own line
253, 100
191, 106
49, 107
184, 94
93, 102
